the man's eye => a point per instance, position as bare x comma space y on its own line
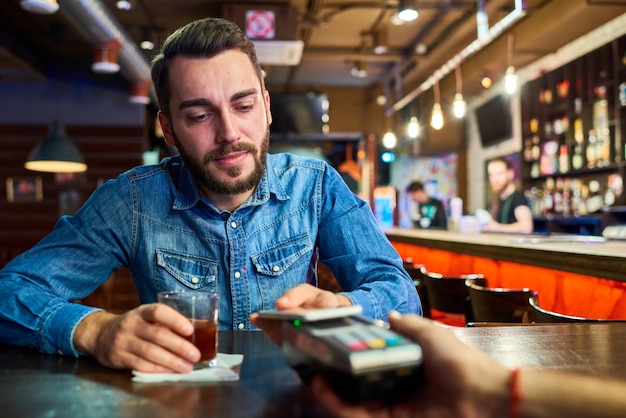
245, 107
199, 118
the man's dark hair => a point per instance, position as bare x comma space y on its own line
202, 38
506, 161
415, 186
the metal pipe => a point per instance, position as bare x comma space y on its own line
98, 25
475, 46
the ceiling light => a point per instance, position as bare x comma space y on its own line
147, 39
42, 7
458, 105
421, 49
486, 81
56, 154
381, 44
436, 118
358, 70
413, 128
390, 140
407, 12
510, 80
105, 58
124, 4
140, 92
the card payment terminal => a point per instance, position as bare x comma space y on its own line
360, 359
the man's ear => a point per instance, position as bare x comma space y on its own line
268, 112
166, 127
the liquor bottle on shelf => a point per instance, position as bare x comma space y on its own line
567, 197
591, 152
549, 157
563, 158
558, 196
601, 127
577, 157
576, 198
548, 197
595, 201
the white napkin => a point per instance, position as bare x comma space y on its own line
221, 372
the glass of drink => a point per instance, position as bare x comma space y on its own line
201, 307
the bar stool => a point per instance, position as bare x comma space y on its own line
496, 304
447, 296
545, 316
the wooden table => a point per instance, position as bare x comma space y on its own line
37, 385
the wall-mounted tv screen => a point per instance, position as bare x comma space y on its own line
494, 120
299, 113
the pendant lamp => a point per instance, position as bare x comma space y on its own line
56, 153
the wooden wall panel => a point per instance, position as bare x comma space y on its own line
108, 151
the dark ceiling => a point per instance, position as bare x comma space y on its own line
336, 34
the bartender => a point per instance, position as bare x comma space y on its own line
430, 212
510, 211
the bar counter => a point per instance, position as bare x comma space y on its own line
605, 259
572, 276
40, 385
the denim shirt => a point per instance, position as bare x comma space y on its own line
154, 221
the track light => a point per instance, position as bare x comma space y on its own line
358, 70
381, 45
147, 39
407, 12
41, 7
124, 4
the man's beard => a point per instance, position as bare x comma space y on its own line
201, 171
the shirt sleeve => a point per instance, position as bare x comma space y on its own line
367, 267
40, 287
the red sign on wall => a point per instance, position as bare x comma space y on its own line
260, 24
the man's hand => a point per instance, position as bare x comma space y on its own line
150, 338
299, 298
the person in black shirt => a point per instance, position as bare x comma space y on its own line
430, 211
510, 210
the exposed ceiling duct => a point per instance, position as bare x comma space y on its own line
98, 25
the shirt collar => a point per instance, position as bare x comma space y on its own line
188, 193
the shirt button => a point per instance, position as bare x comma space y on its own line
240, 326
275, 269
237, 275
195, 280
233, 224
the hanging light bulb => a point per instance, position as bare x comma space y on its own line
436, 118
390, 140
510, 78
413, 128
458, 105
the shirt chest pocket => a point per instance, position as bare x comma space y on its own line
276, 260
191, 271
